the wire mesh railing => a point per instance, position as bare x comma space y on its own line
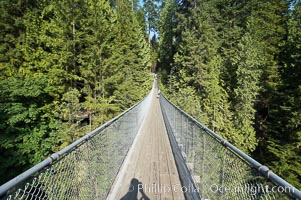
211, 168
85, 169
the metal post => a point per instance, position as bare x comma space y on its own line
181, 130
223, 172
192, 145
186, 135
203, 165
177, 125
174, 118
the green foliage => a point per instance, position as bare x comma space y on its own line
151, 10
246, 91
11, 35
198, 67
237, 65
284, 139
66, 67
26, 123
165, 51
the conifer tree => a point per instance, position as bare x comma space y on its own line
130, 56
96, 34
60, 61
283, 142
197, 68
151, 10
29, 127
247, 74
12, 32
166, 49
225, 60
270, 15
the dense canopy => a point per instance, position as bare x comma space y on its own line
68, 66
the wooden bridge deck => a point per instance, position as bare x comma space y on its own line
149, 170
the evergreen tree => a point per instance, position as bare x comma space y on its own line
166, 49
151, 10
61, 62
231, 20
283, 141
223, 58
248, 73
96, 34
12, 32
197, 68
130, 56
272, 16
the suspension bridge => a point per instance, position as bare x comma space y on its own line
153, 150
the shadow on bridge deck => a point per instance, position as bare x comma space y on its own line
134, 188
149, 170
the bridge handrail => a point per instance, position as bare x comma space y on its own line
56, 156
264, 170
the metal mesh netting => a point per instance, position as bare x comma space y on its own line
88, 170
216, 171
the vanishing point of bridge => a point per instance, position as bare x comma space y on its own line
153, 150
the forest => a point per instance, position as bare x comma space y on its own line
67, 67
236, 67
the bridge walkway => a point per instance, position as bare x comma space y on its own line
149, 170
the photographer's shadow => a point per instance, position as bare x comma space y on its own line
132, 193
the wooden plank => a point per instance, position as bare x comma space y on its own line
164, 173
151, 165
154, 178
146, 166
